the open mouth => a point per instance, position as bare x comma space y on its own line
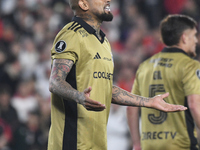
107, 8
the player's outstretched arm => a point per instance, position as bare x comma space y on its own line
58, 85
122, 97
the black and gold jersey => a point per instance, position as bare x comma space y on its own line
73, 127
173, 71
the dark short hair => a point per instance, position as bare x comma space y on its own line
173, 26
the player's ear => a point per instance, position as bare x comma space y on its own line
183, 38
83, 4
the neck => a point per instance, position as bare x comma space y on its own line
177, 46
94, 23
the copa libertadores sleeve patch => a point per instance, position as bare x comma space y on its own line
198, 73
60, 46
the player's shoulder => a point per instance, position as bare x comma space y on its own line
188, 61
70, 28
70, 32
73, 26
193, 63
188, 64
143, 65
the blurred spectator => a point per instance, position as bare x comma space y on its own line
42, 84
28, 58
132, 20
118, 132
126, 78
15, 49
5, 41
7, 6
10, 74
29, 136
2, 59
1, 28
24, 100
174, 6
152, 43
42, 72
153, 11
5, 135
192, 9
7, 112
45, 118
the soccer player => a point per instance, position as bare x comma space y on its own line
81, 81
175, 71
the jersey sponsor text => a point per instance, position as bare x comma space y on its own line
104, 75
158, 135
164, 62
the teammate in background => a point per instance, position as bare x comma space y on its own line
82, 60
175, 71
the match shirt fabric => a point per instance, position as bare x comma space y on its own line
72, 126
173, 71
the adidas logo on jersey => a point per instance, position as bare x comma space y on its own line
97, 56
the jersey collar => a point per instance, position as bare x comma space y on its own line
87, 27
173, 50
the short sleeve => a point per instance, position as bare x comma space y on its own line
66, 46
191, 78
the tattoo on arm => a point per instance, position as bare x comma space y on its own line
58, 85
122, 97
60, 70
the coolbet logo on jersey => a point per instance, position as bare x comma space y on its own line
104, 75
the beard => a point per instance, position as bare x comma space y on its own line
105, 16
192, 54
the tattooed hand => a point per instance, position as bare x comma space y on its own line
90, 104
157, 102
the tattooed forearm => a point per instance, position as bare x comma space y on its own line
119, 94
122, 97
58, 85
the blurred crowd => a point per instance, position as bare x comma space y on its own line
27, 31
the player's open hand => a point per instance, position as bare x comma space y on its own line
90, 104
160, 104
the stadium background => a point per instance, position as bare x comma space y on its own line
27, 30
